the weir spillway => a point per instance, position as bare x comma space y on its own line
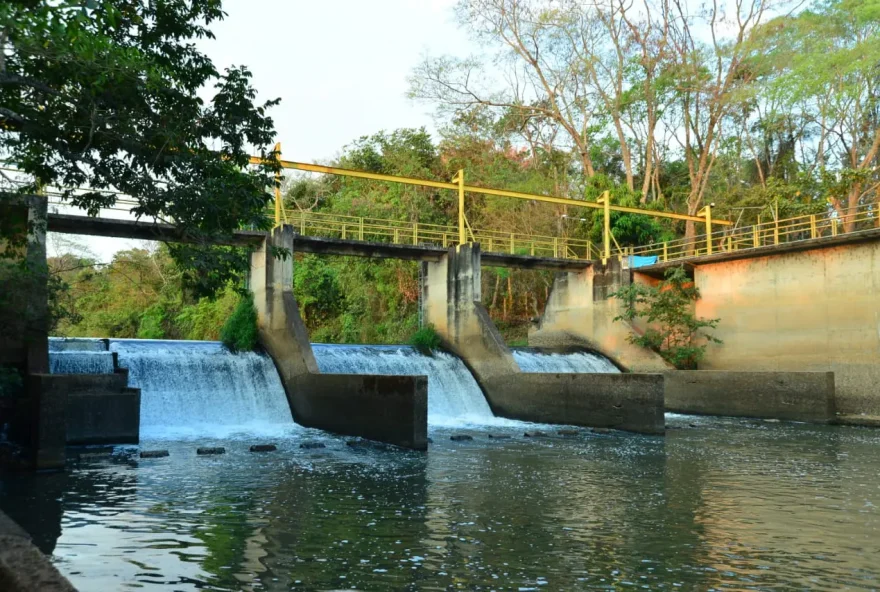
198, 388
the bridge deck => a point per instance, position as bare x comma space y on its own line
658, 269
71, 224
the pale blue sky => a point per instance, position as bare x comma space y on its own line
339, 67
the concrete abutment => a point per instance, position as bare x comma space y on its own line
451, 302
391, 409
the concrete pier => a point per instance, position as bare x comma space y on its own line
452, 304
391, 409
580, 312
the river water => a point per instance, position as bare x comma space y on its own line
716, 504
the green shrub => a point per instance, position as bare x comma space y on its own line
239, 333
426, 339
673, 331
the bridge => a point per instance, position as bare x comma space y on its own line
797, 298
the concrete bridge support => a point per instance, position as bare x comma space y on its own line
392, 409
580, 312
452, 304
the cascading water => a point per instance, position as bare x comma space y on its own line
531, 360
198, 388
79, 356
454, 397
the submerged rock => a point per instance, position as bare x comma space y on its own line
263, 448
536, 434
153, 453
461, 438
312, 445
210, 450
569, 432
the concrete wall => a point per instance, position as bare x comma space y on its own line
796, 396
451, 302
22, 567
816, 310
580, 312
392, 409
101, 409
632, 402
79, 409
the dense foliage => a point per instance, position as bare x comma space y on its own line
426, 339
765, 112
239, 333
667, 311
108, 95
139, 294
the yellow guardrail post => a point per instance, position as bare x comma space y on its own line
605, 200
555, 248
278, 186
813, 232
512, 243
360, 229
756, 239
834, 227
665, 252
415, 233
776, 231
590, 249
707, 211
459, 178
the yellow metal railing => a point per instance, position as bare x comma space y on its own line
458, 183
788, 230
419, 233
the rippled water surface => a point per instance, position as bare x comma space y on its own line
716, 504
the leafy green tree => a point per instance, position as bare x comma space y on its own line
672, 330
107, 95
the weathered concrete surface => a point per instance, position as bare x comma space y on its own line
795, 396
47, 397
451, 302
392, 409
815, 310
22, 567
136, 229
632, 402
81, 409
581, 312
102, 410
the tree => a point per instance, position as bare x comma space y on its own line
826, 72
673, 331
106, 95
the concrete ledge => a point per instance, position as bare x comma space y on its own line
22, 567
391, 409
632, 402
104, 417
795, 396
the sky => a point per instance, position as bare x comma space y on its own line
340, 68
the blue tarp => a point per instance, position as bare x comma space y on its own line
638, 261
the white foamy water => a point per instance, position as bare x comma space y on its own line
454, 397
198, 388
79, 356
569, 363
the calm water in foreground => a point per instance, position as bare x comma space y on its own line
727, 504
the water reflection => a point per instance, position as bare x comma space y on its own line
737, 504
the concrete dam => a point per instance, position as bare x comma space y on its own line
195, 389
